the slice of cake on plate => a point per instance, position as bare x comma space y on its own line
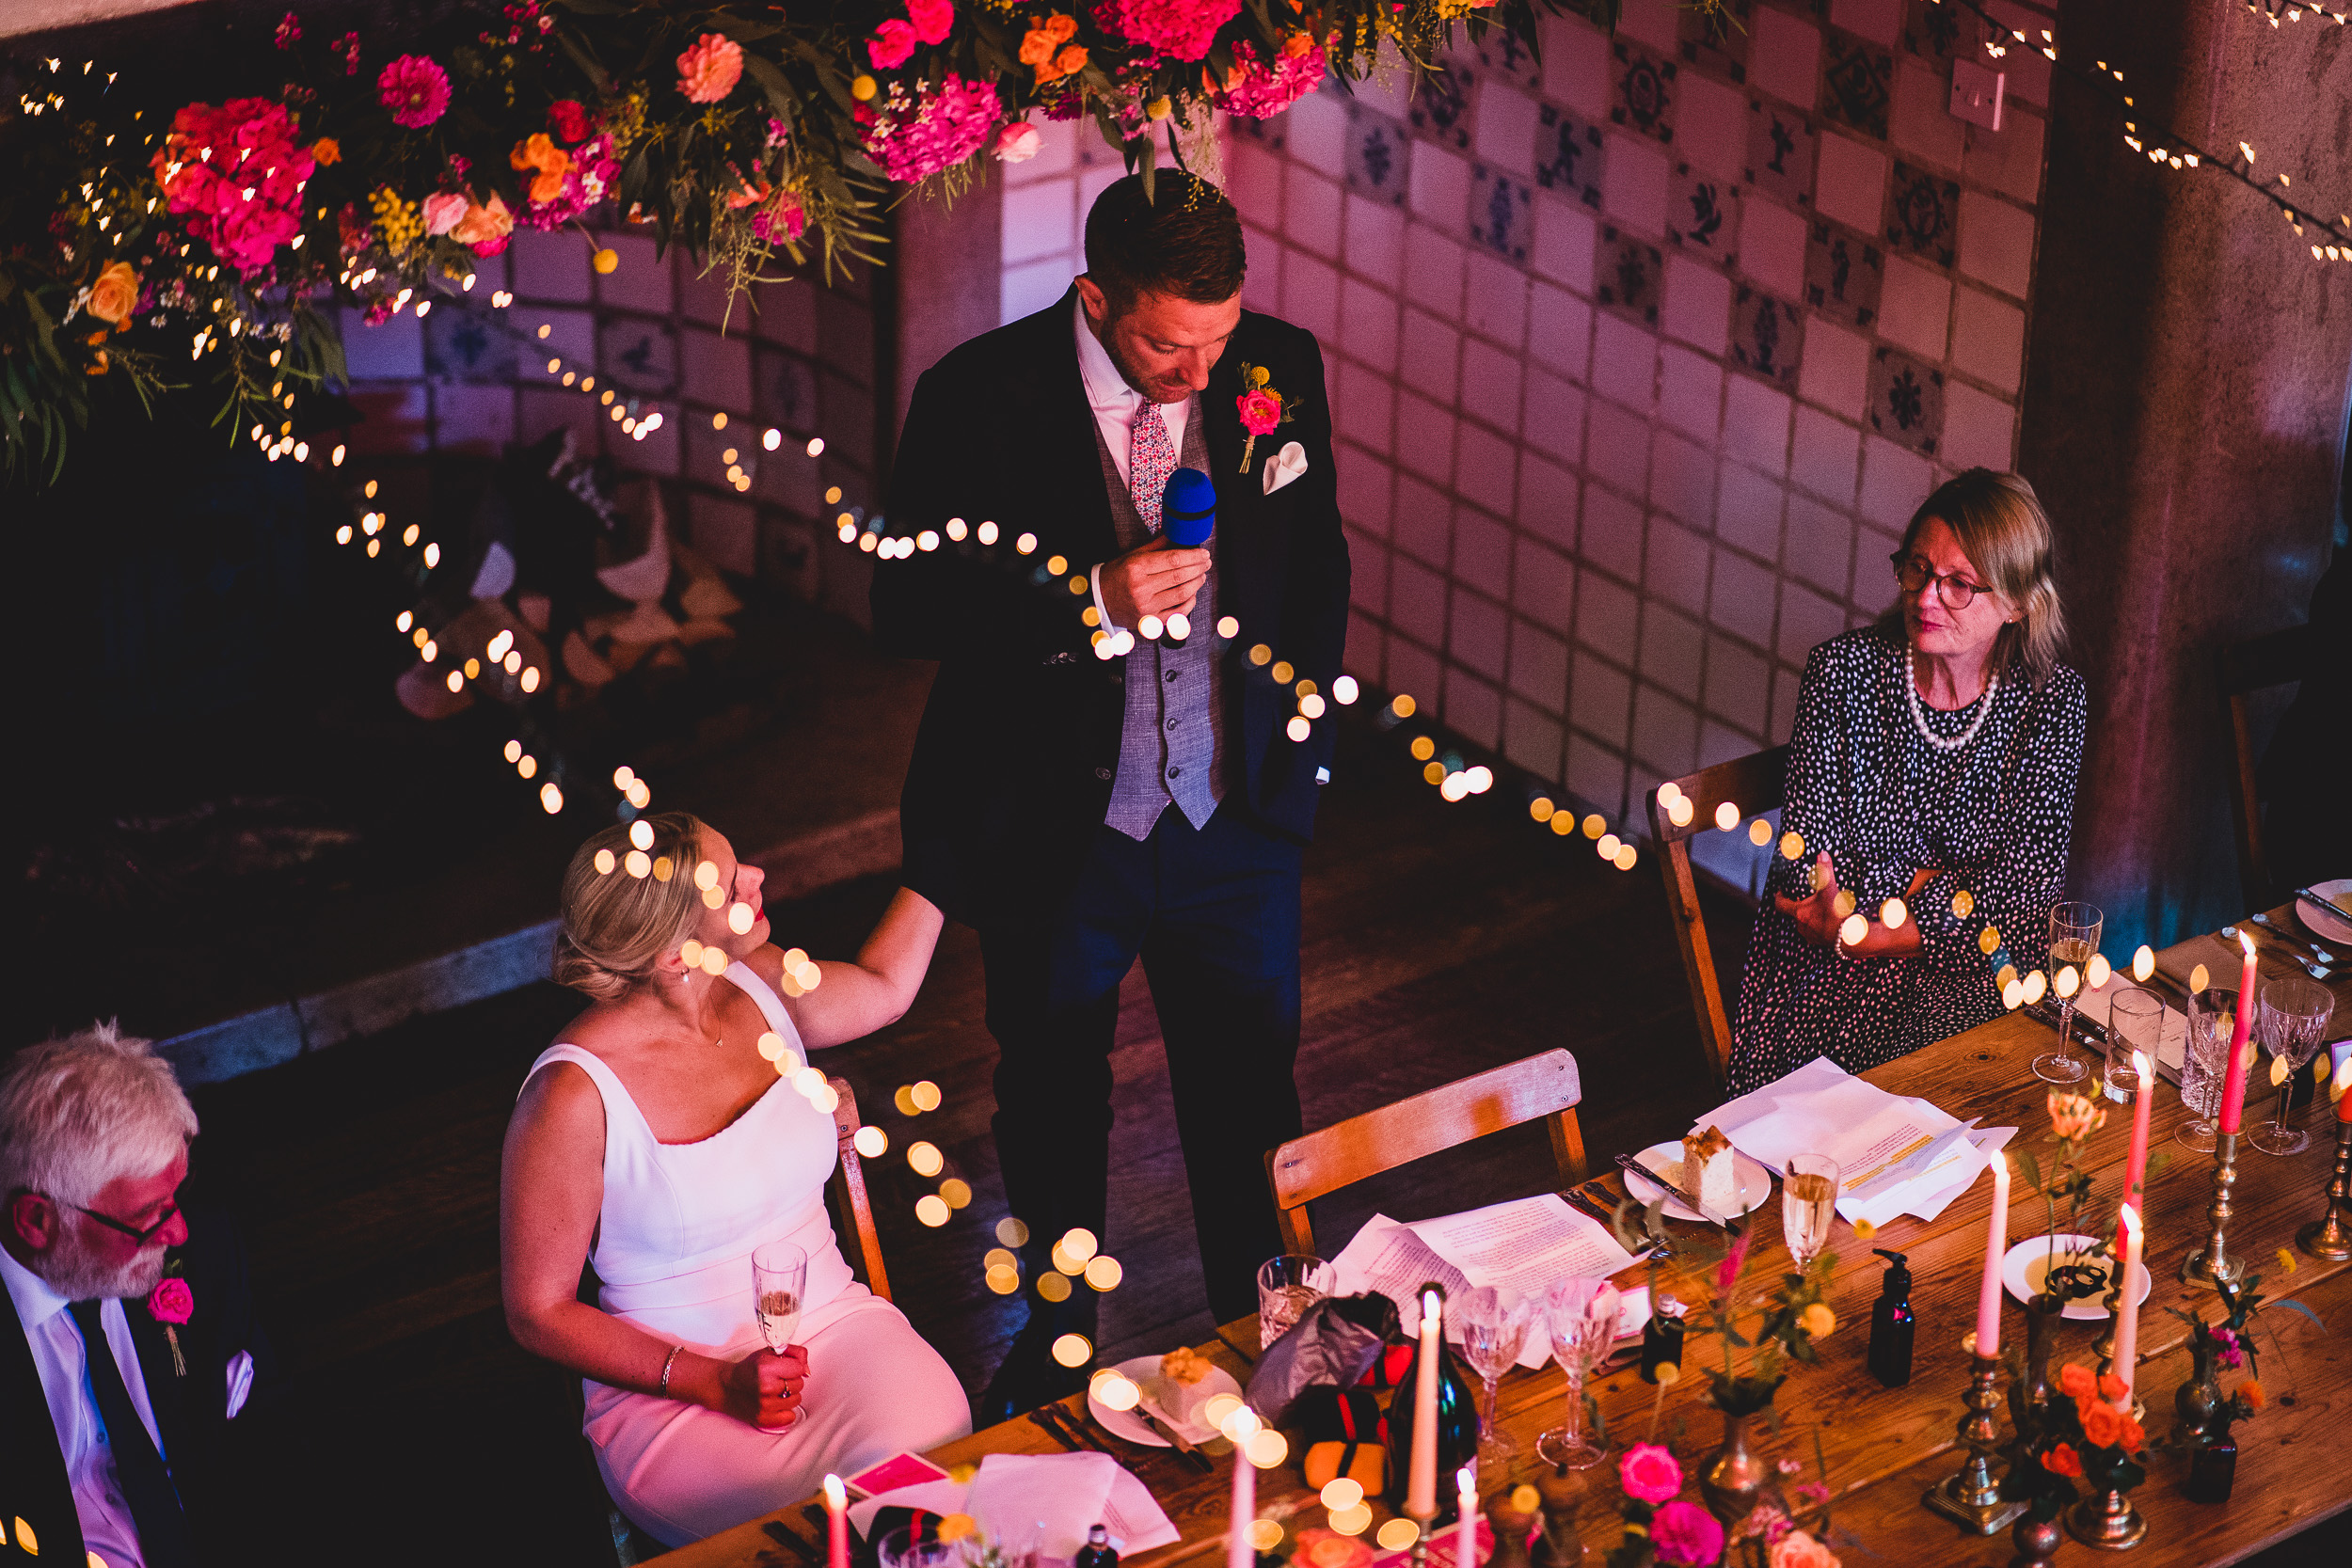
1707, 1182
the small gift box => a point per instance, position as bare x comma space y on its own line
1346, 1434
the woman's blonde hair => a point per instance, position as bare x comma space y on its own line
2006, 535
625, 907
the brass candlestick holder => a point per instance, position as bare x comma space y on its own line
1419, 1557
2104, 1346
1971, 1496
2210, 1264
2108, 1521
2330, 1237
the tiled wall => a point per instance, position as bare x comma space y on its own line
1045, 206
471, 377
1641, 358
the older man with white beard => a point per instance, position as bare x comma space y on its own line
135, 1330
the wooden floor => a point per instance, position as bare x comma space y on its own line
1440, 939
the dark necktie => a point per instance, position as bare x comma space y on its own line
138, 1468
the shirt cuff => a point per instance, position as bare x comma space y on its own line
1102, 612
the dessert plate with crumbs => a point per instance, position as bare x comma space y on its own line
1754, 1182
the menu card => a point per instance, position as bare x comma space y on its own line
1055, 1497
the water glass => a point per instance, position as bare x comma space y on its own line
898, 1548
2135, 1022
1494, 1332
2204, 1060
2289, 1018
1808, 1202
1287, 1286
2073, 937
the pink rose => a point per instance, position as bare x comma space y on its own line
1686, 1536
1649, 1473
893, 42
932, 19
484, 228
1260, 411
441, 212
1799, 1550
709, 71
1018, 143
414, 90
171, 1301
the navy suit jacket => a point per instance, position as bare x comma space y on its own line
1013, 762
217, 1464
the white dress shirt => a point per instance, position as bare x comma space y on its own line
55, 1339
1116, 405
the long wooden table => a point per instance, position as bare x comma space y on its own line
1884, 1447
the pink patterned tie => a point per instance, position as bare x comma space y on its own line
1151, 458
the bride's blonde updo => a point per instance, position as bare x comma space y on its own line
625, 907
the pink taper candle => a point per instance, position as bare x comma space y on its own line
2136, 1163
1465, 1527
837, 1524
1996, 1248
1239, 1550
2233, 1081
1421, 1478
2128, 1309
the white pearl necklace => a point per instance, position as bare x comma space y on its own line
1920, 718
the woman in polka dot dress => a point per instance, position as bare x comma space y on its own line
1933, 763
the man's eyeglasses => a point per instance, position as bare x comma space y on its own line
1956, 592
171, 1211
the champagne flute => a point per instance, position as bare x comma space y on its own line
779, 1285
1493, 1334
1582, 1323
2291, 1015
1808, 1202
2073, 937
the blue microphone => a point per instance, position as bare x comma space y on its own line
1187, 518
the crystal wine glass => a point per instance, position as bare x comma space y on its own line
779, 1284
2291, 1016
1493, 1334
1808, 1201
2203, 1059
1582, 1321
2073, 937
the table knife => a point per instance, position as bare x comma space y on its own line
1038, 1416
1076, 1428
1628, 1162
1163, 1424
2325, 902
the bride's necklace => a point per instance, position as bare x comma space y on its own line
1920, 717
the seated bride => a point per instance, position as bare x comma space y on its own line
657, 1143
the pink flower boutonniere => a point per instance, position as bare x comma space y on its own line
171, 1304
1262, 408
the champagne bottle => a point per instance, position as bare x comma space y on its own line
1457, 1430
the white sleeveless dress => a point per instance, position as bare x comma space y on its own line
673, 1252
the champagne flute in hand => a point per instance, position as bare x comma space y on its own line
1808, 1201
2073, 937
779, 1283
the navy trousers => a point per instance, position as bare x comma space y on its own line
1214, 915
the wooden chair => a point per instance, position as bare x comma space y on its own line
853, 1215
2242, 670
1752, 784
1346, 1153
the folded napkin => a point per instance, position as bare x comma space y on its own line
1055, 1496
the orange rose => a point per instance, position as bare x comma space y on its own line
2112, 1388
2076, 1383
327, 149
483, 223
2062, 1461
2134, 1436
115, 294
2103, 1424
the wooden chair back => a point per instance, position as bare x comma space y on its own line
845, 1194
1752, 785
1346, 1153
2244, 669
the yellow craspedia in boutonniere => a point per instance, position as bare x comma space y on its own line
1262, 408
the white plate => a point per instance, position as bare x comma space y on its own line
1753, 1182
1144, 1372
2331, 926
2034, 1253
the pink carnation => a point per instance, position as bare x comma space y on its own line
932, 19
441, 212
781, 220
1258, 90
1182, 29
414, 90
1649, 1473
710, 69
1685, 1535
893, 42
237, 173
913, 133
171, 1301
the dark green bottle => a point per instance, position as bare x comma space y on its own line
1457, 1426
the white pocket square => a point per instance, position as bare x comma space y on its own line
1285, 465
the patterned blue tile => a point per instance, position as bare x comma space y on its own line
1780, 152
1906, 401
1569, 154
1925, 215
1857, 82
1703, 211
1642, 91
1842, 275
1630, 270
1379, 156
1502, 213
1441, 105
1767, 335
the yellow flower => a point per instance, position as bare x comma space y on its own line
1818, 1321
1260, 376
1864, 1230
2286, 1260
1160, 107
955, 1526
864, 87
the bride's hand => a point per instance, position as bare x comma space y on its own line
764, 1388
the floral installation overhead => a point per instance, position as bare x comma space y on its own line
149, 225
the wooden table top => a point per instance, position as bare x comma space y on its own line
1885, 1447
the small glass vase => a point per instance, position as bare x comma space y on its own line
2028, 1396
2198, 1398
1733, 1476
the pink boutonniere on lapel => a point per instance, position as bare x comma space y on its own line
1262, 408
171, 1304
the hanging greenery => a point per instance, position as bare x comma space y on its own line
145, 231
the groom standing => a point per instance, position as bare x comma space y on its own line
1081, 812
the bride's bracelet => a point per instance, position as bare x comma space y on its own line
669, 1361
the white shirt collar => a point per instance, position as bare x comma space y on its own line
1106, 389
36, 1302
